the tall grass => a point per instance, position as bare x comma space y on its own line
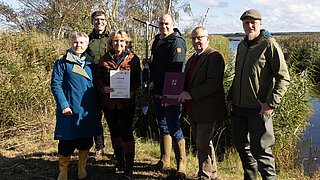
26, 104
27, 108
306, 48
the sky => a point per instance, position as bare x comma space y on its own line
223, 15
277, 15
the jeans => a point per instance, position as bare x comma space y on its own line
168, 119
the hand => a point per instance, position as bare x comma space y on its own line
165, 105
265, 108
107, 89
229, 106
145, 61
184, 96
67, 111
151, 86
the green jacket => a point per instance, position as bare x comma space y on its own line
261, 73
97, 45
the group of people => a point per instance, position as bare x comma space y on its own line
81, 87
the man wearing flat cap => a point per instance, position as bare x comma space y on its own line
261, 80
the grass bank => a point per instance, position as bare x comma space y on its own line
27, 118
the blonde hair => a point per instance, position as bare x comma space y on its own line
122, 34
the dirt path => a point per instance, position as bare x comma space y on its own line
45, 166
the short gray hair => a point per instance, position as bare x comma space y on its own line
204, 30
79, 34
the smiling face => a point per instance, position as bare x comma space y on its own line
119, 44
166, 26
99, 23
251, 27
79, 45
200, 39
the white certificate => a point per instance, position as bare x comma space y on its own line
120, 82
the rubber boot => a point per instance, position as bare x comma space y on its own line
63, 167
83, 156
129, 159
119, 156
128, 171
165, 149
180, 153
117, 145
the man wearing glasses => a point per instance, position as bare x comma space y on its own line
204, 98
96, 49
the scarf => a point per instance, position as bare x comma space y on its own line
80, 60
123, 56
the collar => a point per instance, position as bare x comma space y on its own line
201, 51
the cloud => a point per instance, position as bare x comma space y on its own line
290, 15
212, 3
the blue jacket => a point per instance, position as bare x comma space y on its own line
72, 86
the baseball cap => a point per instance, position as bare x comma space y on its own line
251, 13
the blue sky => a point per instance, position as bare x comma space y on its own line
277, 15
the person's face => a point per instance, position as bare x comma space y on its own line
99, 23
79, 45
251, 27
200, 40
119, 44
166, 26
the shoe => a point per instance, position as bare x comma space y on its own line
99, 154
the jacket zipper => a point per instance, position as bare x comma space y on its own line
245, 57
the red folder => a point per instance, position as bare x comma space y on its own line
172, 88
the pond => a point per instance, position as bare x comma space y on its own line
309, 155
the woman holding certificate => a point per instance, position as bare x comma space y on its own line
118, 78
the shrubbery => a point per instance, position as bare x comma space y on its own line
27, 108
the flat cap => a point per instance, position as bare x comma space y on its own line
251, 13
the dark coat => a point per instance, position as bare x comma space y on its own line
168, 55
206, 87
130, 63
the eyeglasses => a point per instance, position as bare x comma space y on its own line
97, 20
198, 38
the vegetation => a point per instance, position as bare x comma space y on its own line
27, 108
305, 48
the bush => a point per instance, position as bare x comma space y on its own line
26, 103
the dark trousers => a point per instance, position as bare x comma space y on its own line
67, 147
99, 141
120, 122
253, 136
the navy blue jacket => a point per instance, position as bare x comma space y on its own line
168, 55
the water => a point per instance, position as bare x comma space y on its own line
309, 155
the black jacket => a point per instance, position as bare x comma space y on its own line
168, 55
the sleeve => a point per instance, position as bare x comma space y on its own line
280, 73
178, 55
57, 83
214, 81
135, 73
98, 80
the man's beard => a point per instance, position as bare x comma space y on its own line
251, 36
